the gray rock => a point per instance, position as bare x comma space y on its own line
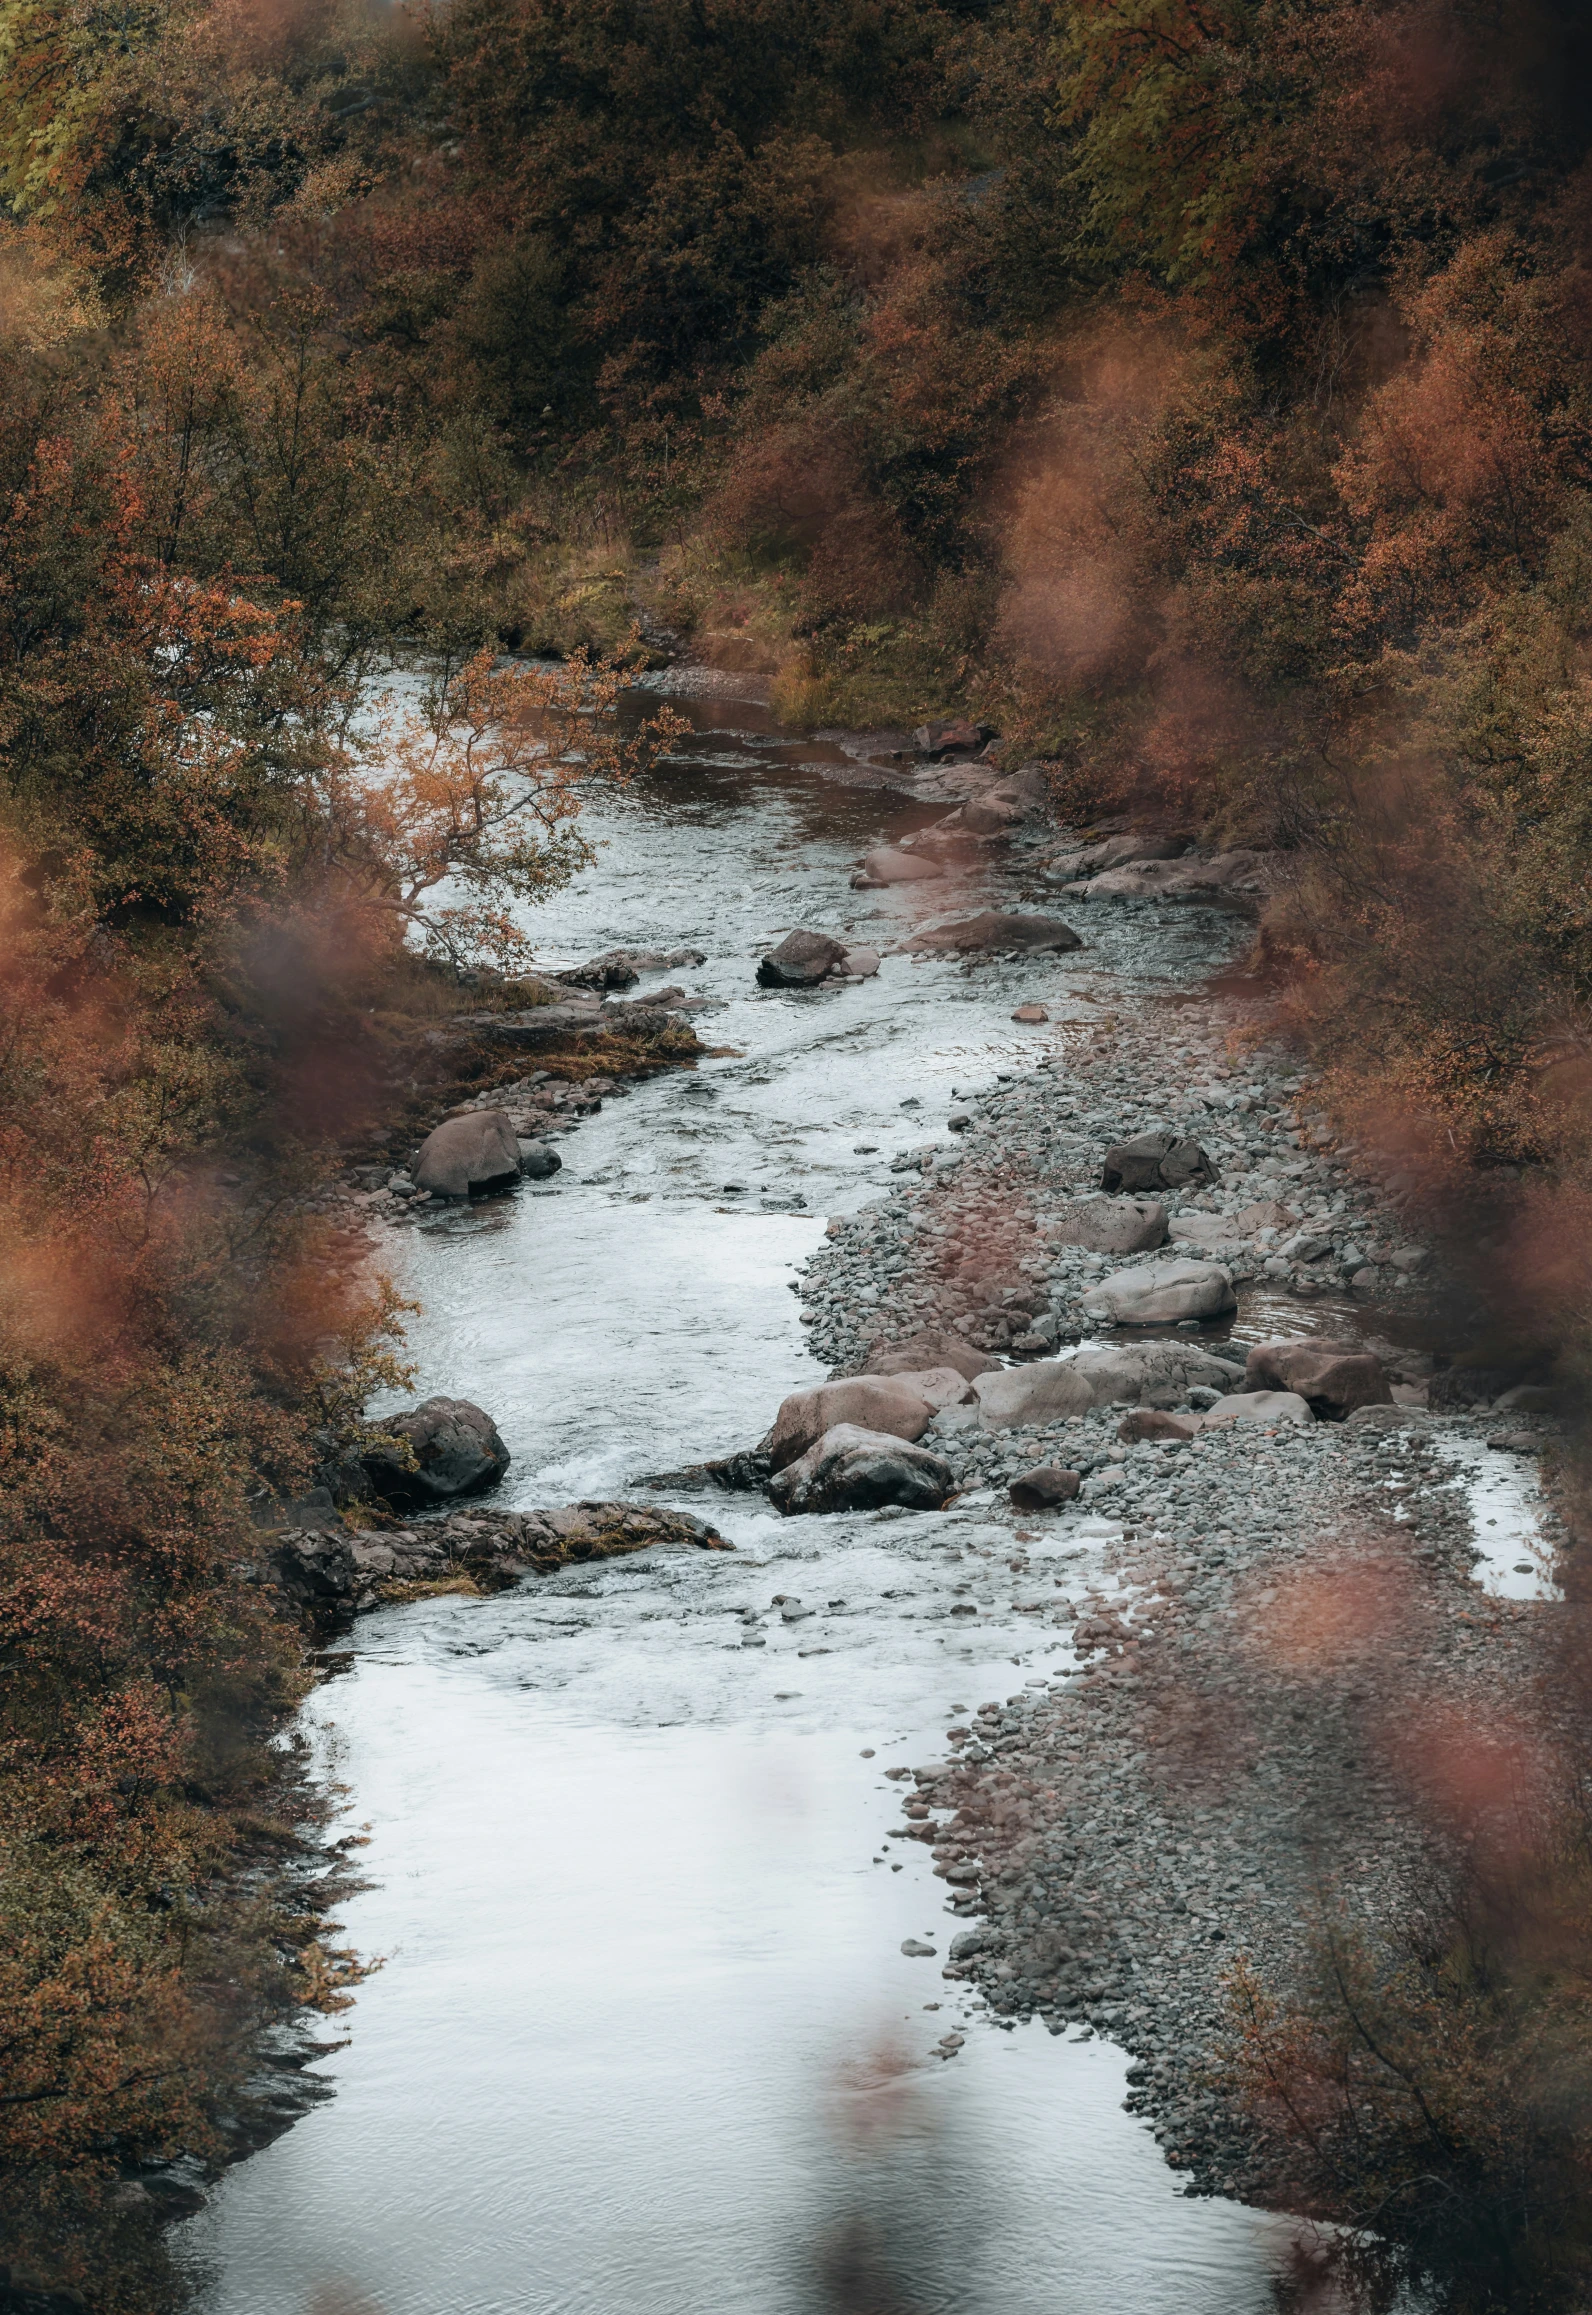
849, 1469
1527, 1399
933, 1347
1306, 1246
1160, 1293
884, 1403
1043, 1487
1265, 1214
860, 963
1110, 1225
1157, 1161
938, 1387
1258, 1407
1116, 1370
1333, 1376
478, 1151
537, 1161
996, 931
1093, 859
955, 737
456, 1448
1157, 1423
622, 968
1226, 872
801, 960
989, 815
1012, 1397
915, 1949
885, 865
315, 1570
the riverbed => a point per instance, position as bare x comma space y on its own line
645, 2041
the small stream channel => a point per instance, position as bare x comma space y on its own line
645, 2042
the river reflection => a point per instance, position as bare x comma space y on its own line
645, 2042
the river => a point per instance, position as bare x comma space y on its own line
645, 2041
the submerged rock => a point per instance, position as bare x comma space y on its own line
622, 968
456, 1448
538, 1161
850, 1469
801, 960
995, 931
603, 1530
887, 866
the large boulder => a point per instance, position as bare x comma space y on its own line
995, 931
1042, 1392
801, 960
1118, 1371
1110, 1225
870, 1402
1258, 1407
938, 1387
1161, 1293
456, 1448
933, 1347
887, 866
1334, 1376
478, 1151
1157, 1161
852, 1469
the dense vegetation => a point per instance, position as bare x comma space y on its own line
1200, 389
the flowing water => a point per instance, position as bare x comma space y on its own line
645, 2042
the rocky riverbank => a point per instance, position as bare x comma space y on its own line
1280, 1610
